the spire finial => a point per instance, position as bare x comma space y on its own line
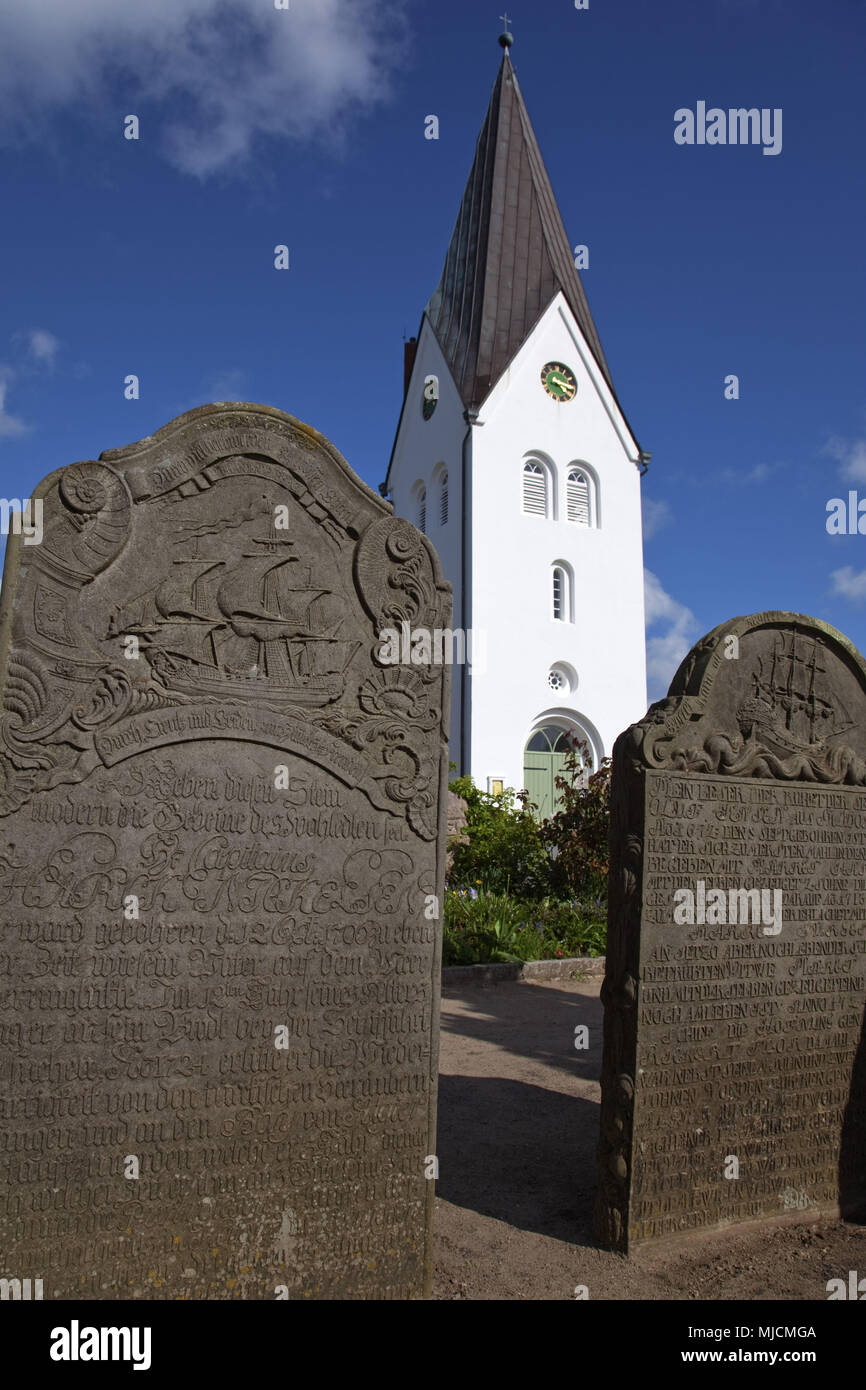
506, 38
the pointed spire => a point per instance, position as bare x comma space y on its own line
509, 253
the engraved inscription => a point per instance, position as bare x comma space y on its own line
746, 1042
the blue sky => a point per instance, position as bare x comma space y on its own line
306, 127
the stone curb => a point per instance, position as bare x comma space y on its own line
453, 976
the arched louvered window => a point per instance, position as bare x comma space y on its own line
443, 500
534, 489
579, 497
421, 509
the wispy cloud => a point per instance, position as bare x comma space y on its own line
757, 474
656, 514
209, 77
42, 345
666, 649
851, 454
34, 352
10, 425
227, 385
850, 583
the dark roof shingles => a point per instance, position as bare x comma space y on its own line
509, 253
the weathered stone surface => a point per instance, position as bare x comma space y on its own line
455, 821
733, 1081
220, 965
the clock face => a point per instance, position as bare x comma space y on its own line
559, 381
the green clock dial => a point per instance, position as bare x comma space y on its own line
559, 381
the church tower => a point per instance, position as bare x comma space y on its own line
514, 455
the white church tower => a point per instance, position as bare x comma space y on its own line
514, 455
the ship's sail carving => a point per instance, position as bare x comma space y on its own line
193, 641
789, 703
183, 595
246, 628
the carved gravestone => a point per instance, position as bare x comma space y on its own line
734, 1073
221, 849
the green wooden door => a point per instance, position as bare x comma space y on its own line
543, 761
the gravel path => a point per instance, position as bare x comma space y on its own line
518, 1125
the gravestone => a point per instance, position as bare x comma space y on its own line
733, 1085
222, 828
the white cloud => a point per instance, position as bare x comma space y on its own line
850, 583
10, 425
665, 650
205, 77
851, 454
42, 345
656, 514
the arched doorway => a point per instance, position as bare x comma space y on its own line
544, 760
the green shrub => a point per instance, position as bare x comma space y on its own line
521, 890
481, 926
576, 836
505, 851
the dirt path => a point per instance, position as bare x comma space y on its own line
518, 1125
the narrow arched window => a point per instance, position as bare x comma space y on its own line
443, 500
578, 497
421, 512
560, 593
534, 489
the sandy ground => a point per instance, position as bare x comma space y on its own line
518, 1126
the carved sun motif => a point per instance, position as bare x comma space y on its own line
396, 691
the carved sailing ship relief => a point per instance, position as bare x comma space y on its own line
780, 718
245, 629
241, 626
790, 709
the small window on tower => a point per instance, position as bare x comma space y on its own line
421, 509
561, 584
578, 497
534, 489
443, 500
559, 594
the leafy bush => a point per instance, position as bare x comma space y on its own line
522, 890
505, 851
482, 926
576, 836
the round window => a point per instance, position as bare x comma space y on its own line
562, 678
